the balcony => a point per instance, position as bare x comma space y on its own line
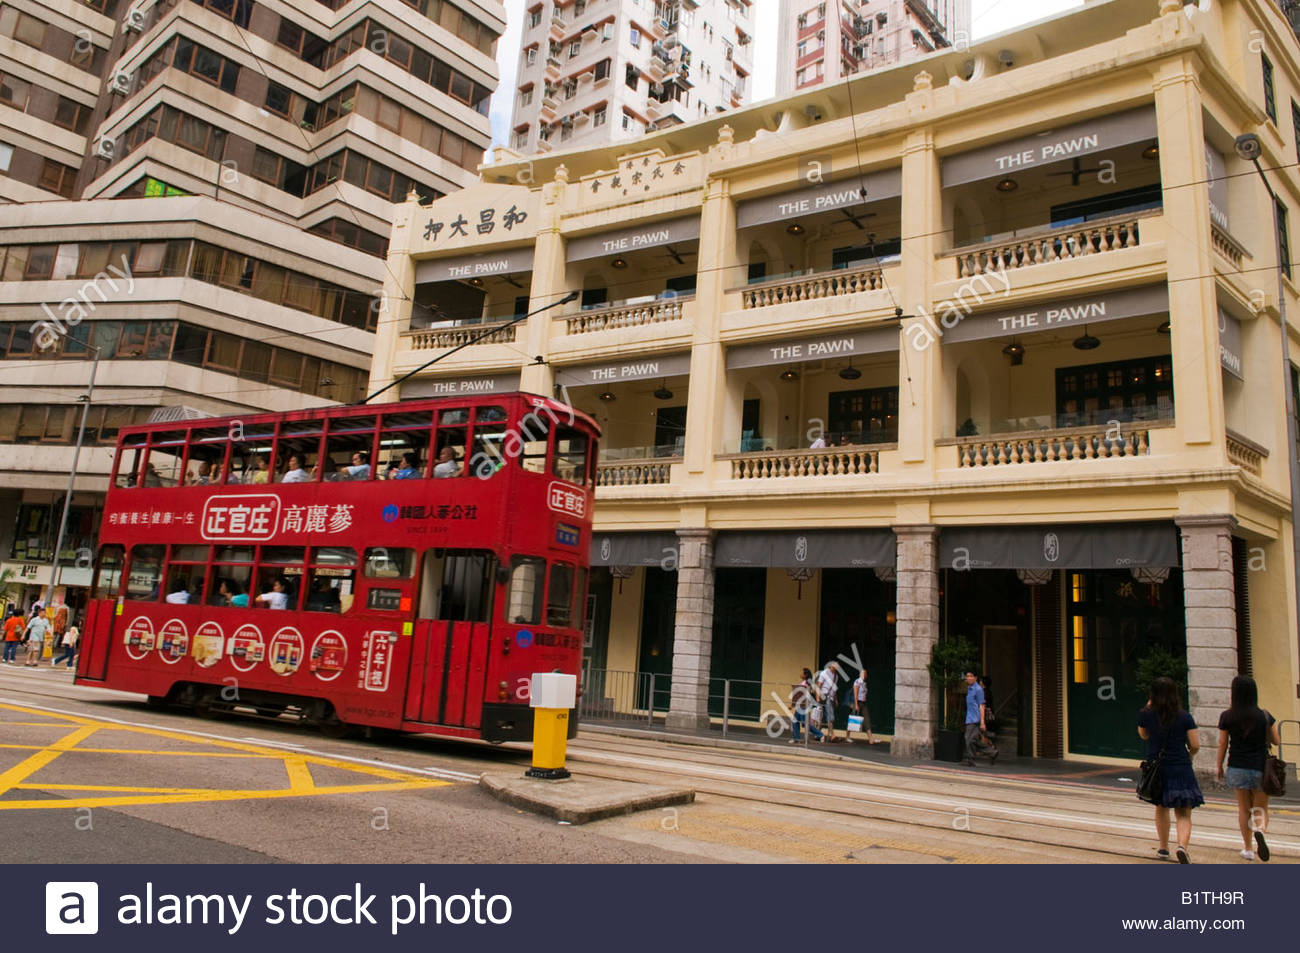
432, 338
825, 284
1066, 444
1046, 245
558, 27
825, 462
627, 315
1227, 247
1245, 453
648, 472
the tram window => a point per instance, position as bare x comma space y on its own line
534, 431
457, 585
402, 434
489, 442
185, 571
559, 596
229, 578
284, 563
108, 574
383, 562
207, 457
571, 455
449, 452
298, 451
527, 578
331, 579
452, 418
128, 462
250, 462
166, 453
348, 454
145, 572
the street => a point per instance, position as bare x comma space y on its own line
94, 776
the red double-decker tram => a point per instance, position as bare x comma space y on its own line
405, 566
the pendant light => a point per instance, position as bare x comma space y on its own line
662, 392
789, 374
1016, 351
1085, 341
849, 373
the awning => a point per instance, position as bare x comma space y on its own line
1230, 345
814, 549
793, 350
1067, 142
508, 262
1104, 546
626, 240
459, 386
645, 368
1053, 315
633, 549
886, 184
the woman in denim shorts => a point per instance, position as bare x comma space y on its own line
1245, 732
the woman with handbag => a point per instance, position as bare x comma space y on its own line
1245, 733
1172, 742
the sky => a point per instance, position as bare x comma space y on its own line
988, 17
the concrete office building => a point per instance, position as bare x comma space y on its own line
599, 71
242, 159
825, 42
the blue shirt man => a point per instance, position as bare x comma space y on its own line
974, 701
976, 742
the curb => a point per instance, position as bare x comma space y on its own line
676, 739
524, 793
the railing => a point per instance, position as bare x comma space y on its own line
623, 696
454, 337
776, 464
1080, 443
825, 284
1227, 246
1245, 453
1049, 245
636, 472
626, 316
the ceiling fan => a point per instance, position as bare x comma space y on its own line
675, 255
1076, 171
857, 219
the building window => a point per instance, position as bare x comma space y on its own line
634, 37
1270, 97
57, 177
71, 114
530, 56
598, 116
6, 156
1091, 394
534, 18
1283, 240
278, 99
602, 70
1295, 125
575, 48
27, 29
607, 32
525, 96
631, 76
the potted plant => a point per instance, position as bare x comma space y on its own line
1159, 661
950, 660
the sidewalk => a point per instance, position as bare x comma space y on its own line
1088, 773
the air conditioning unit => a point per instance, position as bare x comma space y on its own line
133, 22
120, 83
104, 148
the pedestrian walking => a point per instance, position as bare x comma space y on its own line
977, 742
70, 639
802, 700
13, 634
1167, 727
860, 704
37, 629
1245, 733
828, 685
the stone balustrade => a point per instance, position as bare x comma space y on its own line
1049, 245
1227, 247
1048, 446
626, 316
1245, 453
636, 472
824, 284
429, 338
832, 461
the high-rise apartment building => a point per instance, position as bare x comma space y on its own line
204, 194
597, 71
822, 41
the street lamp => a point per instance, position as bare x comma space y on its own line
76, 456
1248, 147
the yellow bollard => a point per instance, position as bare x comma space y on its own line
551, 696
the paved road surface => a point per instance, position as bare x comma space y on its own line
88, 775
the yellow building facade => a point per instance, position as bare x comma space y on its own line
984, 347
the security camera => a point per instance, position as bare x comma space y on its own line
1248, 147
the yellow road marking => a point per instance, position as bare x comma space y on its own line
297, 768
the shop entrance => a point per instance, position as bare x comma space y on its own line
739, 601
658, 620
1113, 621
856, 613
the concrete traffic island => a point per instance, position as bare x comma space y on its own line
580, 800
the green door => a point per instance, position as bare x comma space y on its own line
855, 626
739, 598
658, 622
1112, 620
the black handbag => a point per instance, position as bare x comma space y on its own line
1274, 781
1151, 781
